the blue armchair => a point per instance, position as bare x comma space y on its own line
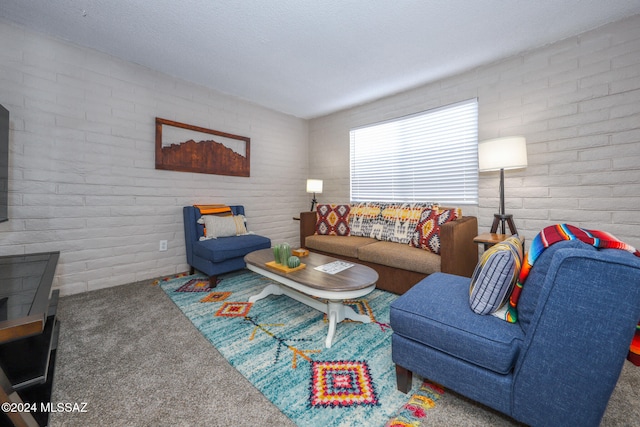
557, 366
221, 255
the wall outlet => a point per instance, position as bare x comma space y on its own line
163, 245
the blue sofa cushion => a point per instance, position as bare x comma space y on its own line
224, 248
533, 284
452, 327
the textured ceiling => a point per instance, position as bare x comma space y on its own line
312, 57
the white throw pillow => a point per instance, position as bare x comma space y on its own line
223, 226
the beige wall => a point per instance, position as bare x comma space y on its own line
577, 102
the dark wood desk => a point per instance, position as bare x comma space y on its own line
28, 334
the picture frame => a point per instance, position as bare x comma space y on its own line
188, 148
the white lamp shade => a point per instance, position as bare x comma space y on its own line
314, 186
502, 153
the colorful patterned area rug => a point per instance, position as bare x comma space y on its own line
277, 343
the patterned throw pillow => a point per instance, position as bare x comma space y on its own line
495, 275
333, 220
388, 221
400, 220
427, 232
363, 218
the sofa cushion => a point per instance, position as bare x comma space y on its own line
427, 232
535, 280
339, 245
495, 275
400, 256
452, 327
224, 248
333, 220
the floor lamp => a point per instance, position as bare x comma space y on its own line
314, 186
500, 154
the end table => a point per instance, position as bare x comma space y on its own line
490, 239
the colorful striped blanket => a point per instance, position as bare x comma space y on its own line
553, 234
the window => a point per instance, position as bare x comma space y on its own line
430, 156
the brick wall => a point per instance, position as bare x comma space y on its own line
82, 177
577, 102
82, 162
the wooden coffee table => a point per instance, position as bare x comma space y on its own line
323, 291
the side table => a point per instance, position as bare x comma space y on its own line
490, 239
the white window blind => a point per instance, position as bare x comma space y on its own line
431, 156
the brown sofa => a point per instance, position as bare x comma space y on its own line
399, 266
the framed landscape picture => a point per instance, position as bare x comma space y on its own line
188, 148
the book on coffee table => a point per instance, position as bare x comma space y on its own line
334, 267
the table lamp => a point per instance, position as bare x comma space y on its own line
314, 186
499, 154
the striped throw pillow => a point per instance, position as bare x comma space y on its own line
495, 275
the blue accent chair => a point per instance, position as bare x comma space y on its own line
221, 255
557, 366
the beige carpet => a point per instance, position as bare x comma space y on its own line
130, 354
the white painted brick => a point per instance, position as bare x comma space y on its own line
618, 74
581, 142
611, 101
577, 216
611, 178
549, 203
584, 191
631, 109
628, 191
595, 67
621, 203
627, 217
562, 97
539, 111
627, 163
624, 85
608, 152
577, 120
84, 162
550, 157
626, 59
612, 125
583, 167
576, 95
531, 214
